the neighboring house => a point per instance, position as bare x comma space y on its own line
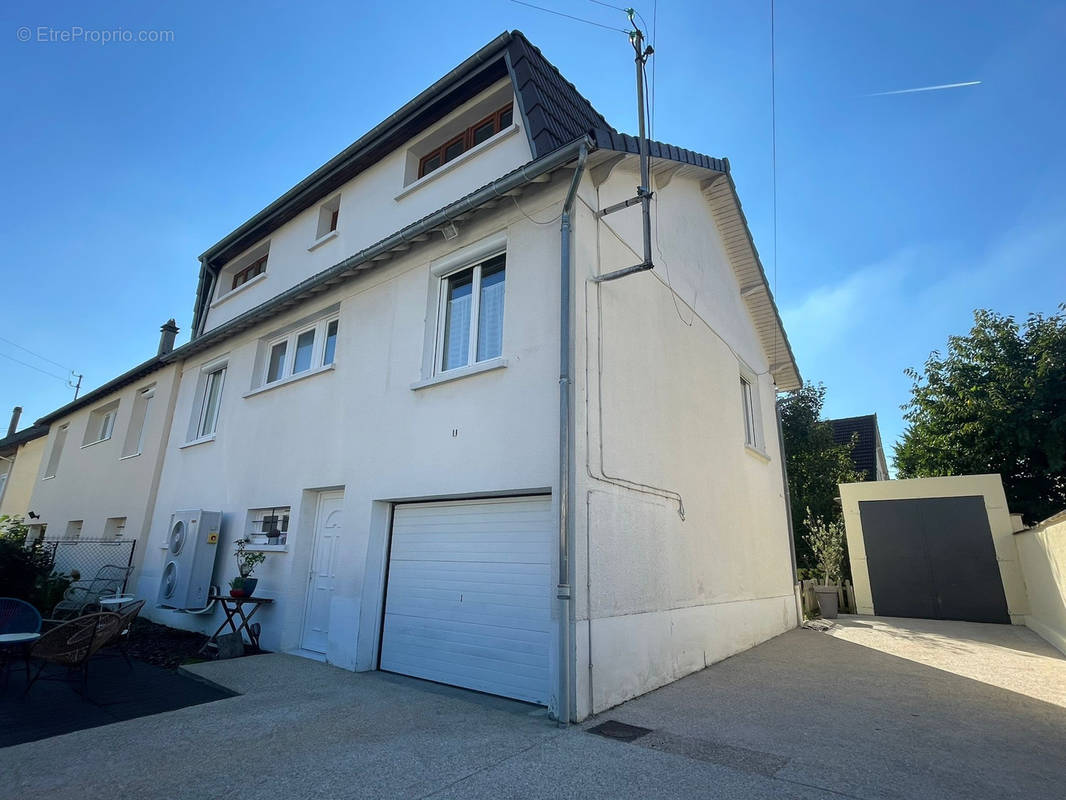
100, 470
20, 455
867, 455
375, 367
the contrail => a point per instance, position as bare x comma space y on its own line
926, 88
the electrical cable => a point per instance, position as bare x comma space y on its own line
35, 355
571, 16
31, 366
554, 219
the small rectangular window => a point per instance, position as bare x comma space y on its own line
331, 343
114, 528
212, 398
298, 352
471, 316
257, 267
276, 367
748, 402
73, 532
101, 424
305, 343
57, 451
268, 525
479, 132
134, 443
329, 214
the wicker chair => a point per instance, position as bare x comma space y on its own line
83, 597
73, 644
18, 616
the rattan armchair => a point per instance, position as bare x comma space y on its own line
121, 640
73, 644
83, 597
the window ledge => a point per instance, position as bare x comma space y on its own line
90, 444
460, 159
266, 548
755, 452
194, 442
461, 372
321, 240
291, 379
127, 457
220, 300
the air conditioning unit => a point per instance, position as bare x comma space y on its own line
192, 543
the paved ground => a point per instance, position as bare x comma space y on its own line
1011, 657
116, 692
806, 715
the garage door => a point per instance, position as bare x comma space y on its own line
932, 557
468, 597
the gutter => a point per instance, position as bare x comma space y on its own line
566, 523
363, 260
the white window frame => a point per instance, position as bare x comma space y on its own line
51, 466
318, 352
751, 411
197, 431
101, 423
475, 312
142, 404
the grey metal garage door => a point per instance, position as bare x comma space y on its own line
932, 557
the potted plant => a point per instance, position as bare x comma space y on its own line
826, 541
244, 584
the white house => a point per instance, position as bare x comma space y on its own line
493, 470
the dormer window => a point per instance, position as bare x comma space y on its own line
477, 133
257, 267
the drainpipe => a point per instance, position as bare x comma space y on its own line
788, 503
563, 591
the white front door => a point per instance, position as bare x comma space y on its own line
329, 528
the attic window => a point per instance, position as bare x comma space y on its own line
257, 267
479, 132
328, 214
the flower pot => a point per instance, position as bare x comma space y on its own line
249, 587
827, 601
236, 592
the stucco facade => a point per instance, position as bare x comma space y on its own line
21, 477
1042, 554
680, 552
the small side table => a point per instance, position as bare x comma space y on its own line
234, 607
116, 603
16, 641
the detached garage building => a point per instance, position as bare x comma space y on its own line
934, 548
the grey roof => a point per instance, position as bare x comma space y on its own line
864, 454
11, 443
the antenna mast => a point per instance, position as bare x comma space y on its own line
644, 193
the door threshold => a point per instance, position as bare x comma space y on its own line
309, 654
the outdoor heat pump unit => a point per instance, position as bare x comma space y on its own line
192, 543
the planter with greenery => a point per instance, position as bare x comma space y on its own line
826, 540
244, 584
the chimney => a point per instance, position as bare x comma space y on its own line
166, 338
16, 412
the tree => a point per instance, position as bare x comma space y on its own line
816, 464
995, 403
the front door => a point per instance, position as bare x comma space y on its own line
329, 528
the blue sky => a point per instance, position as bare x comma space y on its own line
897, 214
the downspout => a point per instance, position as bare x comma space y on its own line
788, 505
563, 591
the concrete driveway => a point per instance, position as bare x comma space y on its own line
805, 715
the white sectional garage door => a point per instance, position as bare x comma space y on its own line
468, 601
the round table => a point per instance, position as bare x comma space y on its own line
11, 641
116, 603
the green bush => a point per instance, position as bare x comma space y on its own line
26, 568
